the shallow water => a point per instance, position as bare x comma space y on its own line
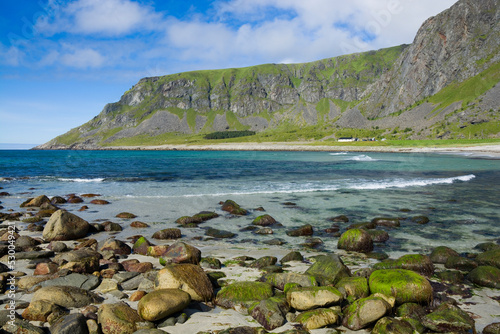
459, 194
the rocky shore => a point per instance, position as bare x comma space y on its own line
62, 274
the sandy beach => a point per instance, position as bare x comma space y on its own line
487, 150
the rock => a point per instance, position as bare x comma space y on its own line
82, 260
25, 241
422, 220
107, 285
58, 200
307, 298
264, 220
378, 236
219, 234
405, 285
74, 199
124, 276
111, 227
187, 277
279, 280
317, 318
27, 282
36, 202
40, 310
393, 326
138, 267
339, 219
118, 318
70, 324
64, 225
448, 318
141, 246
161, 303
493, 328
205, 215
451, 276
328, 269
460, 263
138, 224
264, 230
387, 222
118, 247
354, 287
364, 312
306, 230
270, 313
137, 295
441, 254
188, 220
66, 296
181, 252
243, 294
46, 268
487, 276
264, 261
416, 262
158, 250
292, 256
126, 215
233, 208
57, 246
168, 233
489, 258
210, 263
21, 326
356, 240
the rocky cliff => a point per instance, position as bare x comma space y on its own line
441, 84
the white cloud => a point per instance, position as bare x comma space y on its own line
11, 56
106, 17
83, 58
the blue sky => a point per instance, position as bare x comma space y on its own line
61, 61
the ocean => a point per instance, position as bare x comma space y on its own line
458, 194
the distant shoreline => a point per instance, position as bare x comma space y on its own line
489, 150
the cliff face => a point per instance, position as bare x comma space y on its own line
452, 51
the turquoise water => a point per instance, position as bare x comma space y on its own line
459, 195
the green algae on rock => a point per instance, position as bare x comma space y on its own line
405, 285
243, 293
328, 269
317, 318
449, 318
356, 240
441, 254
393, 326
161, 303
487, 276
415, 262
354, 287
307, 298
364, 312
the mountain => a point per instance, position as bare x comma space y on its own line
443, 85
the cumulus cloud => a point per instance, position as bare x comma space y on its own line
83, 58
106, 17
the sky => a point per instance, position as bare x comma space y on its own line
62, 61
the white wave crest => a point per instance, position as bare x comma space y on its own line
338, 153
81, 180
362, 157
413, 183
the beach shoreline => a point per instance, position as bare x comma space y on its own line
485, 151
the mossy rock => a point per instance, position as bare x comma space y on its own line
126, 215
441, 254
493, 328
328, 269
292, 256
410, 310
264, 220
233, 208
363, 226
317, 318
460, 263
307, 298
386, 221
356, 240
378, 236
422, 220
487, 276
168, 234
219, 234
206, 215
302, 231
416, 262
280, 280
354, 287
264, 261
210, 263
390, 325
141, 246
451, 276
449, 318
487, 246
243, 293
489, 258
364, 312
270, 313
241, 330
188, 220
405, 285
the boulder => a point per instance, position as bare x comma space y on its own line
489, 258
41, 310
393, 326
328, 269
279, 280
66, 296
219, 234
233, 208
168, 233
210, 263
86, 282
118, 318
387, 222
449, 318
118, 247
36, 202
405, 285
378, 236
243, 294
416, 262
317, 318
354, 287
64, 225
205, 215
74, 323
264, 220
138, 224
270, 313
487, 276
292, 256
307, 298
263, 262
180, 252
189, 221
161, 303
356, 240
99, 202
460, 263
441, 254
493, 328
21, 326
364, 312
306, 230
141, 246
126, 215
187, 277
82, 260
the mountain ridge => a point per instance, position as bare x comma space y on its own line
442, 83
